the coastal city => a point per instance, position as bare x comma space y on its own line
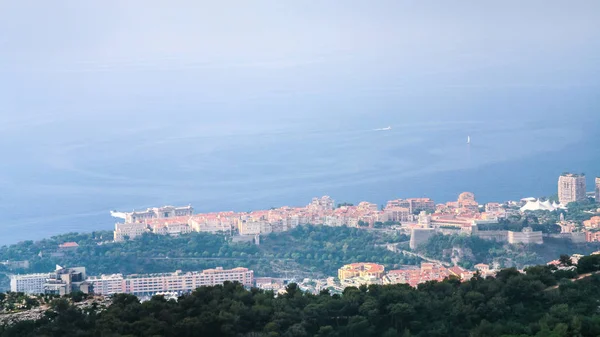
420, 218
299, 169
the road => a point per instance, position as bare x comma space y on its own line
579, 277
446, 264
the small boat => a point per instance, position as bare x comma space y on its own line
468, 139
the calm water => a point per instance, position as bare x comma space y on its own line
71, 179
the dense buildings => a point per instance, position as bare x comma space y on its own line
164, 212
571, 188
172, 282
168, 220
413, 205
364, 270
427, 272
60, 282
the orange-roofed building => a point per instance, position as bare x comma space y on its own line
593, 222
361, 270
68, 245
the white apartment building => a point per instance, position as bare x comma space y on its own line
168, 282
62, 281
29, 283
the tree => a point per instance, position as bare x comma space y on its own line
565, 260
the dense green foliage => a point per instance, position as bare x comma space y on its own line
579, 211
470, 250
314, 250
17, 301
326, 249
543, 221
512, 304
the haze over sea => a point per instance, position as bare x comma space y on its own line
252, 106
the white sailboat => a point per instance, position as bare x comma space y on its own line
468, 139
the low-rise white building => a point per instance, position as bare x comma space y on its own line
28, 283
129, 230
168, 282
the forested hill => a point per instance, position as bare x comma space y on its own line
305, 251
511, 304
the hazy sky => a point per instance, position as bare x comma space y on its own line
95, 60
76, 71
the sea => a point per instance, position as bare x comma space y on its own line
66, 174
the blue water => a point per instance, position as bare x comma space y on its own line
71, 175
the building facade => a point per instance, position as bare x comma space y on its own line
60, 282
168, 282
28, 283
419, 236
129, 231
597, 194
164, 212
413, 204
526, 236
571, 188
368, 270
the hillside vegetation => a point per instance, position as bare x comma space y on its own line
305, 250
511, 304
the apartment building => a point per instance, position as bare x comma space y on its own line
28, 283
369, 270
321, 204
168, 282
211, 223
129, 231
592, 223
466, 201
571, 188
413, 204
173, 226
60, 282
253, 227
365, 206
398, 214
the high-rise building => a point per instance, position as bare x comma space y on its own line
571, 188
598, 190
